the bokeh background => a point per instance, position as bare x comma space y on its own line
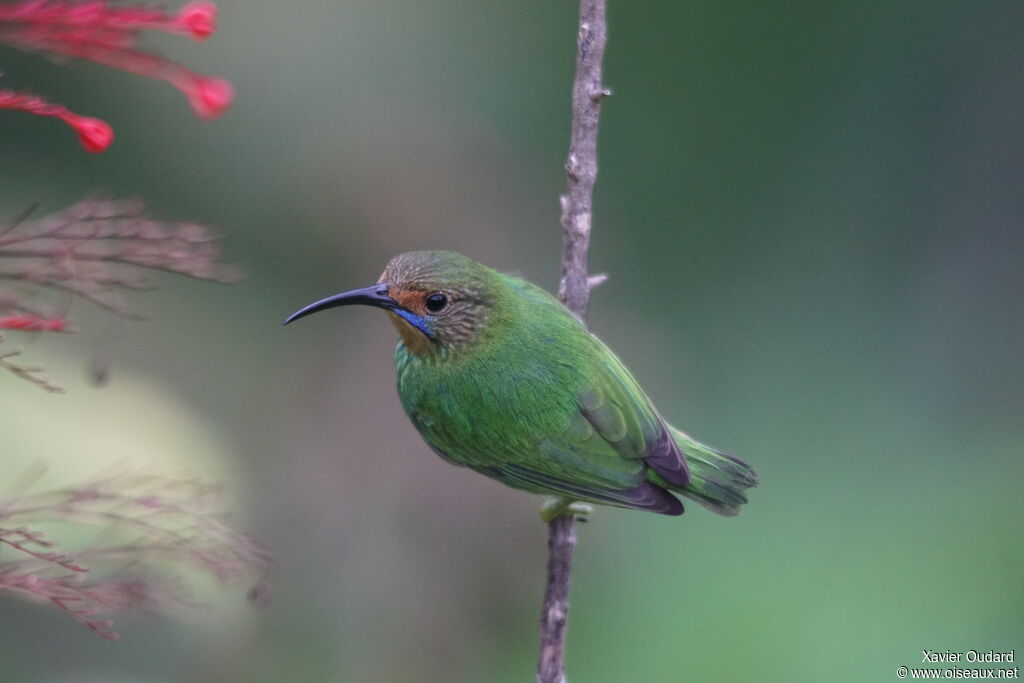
811, 218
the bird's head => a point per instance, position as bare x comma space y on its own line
438, 300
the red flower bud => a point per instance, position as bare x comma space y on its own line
94, 134
198, 18
209, 96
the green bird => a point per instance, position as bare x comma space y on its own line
498, 376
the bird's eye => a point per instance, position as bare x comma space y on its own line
436, 301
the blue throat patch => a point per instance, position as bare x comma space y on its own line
414, 320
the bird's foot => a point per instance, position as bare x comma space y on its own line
564, 507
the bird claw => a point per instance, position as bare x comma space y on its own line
565, 507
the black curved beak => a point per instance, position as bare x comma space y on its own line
374, 295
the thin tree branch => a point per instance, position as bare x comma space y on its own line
574, 291
581, 165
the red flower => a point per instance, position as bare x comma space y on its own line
94, 134
97, 31
33, 323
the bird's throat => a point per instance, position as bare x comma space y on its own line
414, 340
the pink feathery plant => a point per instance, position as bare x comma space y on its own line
98, 250
152, 531
108, 34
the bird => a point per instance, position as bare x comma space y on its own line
498, 376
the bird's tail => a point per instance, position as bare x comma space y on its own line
717, 479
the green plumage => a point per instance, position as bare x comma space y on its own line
503, 379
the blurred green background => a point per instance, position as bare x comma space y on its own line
811, 218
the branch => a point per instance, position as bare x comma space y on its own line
581, 166
574, 291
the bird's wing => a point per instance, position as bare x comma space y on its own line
612, 438
614, 406
619, 411
643, 496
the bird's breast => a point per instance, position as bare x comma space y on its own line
486, 407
